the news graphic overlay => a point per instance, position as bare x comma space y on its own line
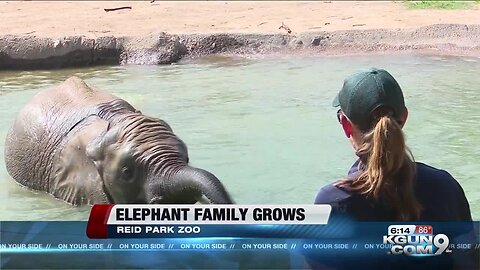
273, 237
145, 221
416, 240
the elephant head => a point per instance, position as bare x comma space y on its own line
141, 160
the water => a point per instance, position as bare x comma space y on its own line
265, 127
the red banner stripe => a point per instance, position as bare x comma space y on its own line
97, 222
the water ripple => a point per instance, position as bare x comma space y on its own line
266, 127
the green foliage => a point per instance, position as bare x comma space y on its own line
433, 4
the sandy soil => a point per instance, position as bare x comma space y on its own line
58, 19
57, 34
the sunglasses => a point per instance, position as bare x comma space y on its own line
339, 115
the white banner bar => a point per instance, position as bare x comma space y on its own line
149, 214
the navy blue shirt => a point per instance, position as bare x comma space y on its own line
440, 195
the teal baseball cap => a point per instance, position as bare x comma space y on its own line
365, 91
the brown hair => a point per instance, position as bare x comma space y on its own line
389, 173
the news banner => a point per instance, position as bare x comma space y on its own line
172, 236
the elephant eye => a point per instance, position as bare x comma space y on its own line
127, 173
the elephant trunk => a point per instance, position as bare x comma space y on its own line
200, 182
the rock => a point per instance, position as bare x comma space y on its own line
214, 44
172, 53
316, 41
27, 53
153, 50
30, 52
295, 42
107, 51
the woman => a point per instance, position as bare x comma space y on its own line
385, 183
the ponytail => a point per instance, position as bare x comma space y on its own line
389, 173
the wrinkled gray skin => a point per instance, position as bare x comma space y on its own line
86, 146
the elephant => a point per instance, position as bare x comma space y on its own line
86, 146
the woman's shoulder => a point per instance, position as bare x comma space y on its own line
428, 174
428, 168
351, 204
440, 194
331, 194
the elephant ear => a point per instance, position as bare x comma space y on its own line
96, 148
75, 178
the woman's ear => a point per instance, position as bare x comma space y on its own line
347, 126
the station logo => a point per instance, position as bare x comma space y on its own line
415, 240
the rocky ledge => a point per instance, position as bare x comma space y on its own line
30, 52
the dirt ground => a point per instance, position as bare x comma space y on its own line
58, 19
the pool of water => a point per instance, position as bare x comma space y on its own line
265, 127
